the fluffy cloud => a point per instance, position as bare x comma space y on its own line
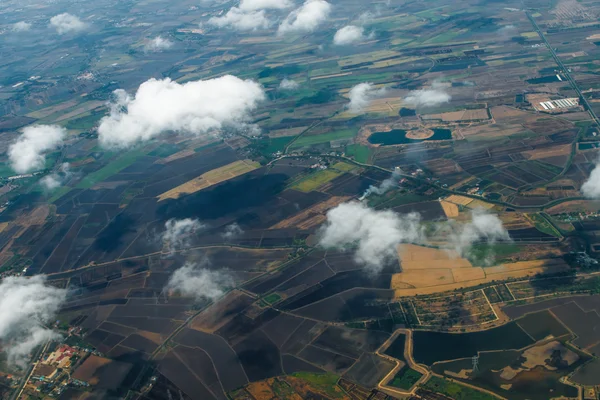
21, 26
193, 280
161, 106
428, 97
361, 96
373, 234
67, 23
348, 35
178, 232
27, 305
306, 18
591, 187
241, 20
28, 152
253, 5
56, 179
483, 226
232, 231
157, 44
288, 84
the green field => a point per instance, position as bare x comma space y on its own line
112, 168
484, 254
543, 225
58, 193
305, 141
273, 145
165, 150
6, 171
316, 180
455, 391
406, 378
85, 122
359, 152
272, 298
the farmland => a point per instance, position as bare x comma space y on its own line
453, 124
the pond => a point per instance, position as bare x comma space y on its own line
543, 79
398, 136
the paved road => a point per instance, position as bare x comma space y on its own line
565, 70
436, 186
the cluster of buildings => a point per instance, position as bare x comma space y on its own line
58, 370
557, 105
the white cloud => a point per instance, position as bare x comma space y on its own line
161, 106
27, 305
56, 179
306, 18
193, 280
67, 23
429, 97
373, 234
288, 84
28, 152
591, 187
178, 232
253, 5
348, 35
242, 20
232, 231
361, 96
157, 44
483, 226
21, 26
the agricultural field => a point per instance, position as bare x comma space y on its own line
211, 178
434, 109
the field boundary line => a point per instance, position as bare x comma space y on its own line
510, 291
527, 333
194, 372
416, 313
490, 304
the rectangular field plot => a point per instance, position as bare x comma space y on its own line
492, 295
460, 309
544, 287
431, 347
504, 293
541, 325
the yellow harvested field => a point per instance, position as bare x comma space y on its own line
480, 204
3, 226
421, 257
450, 209
458, 116
261, 390
83, 108
549, 152
46, 112
312, 216
211, 178
467, 274
459, 200
419, 279
316, 78
426, 271
365, 57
